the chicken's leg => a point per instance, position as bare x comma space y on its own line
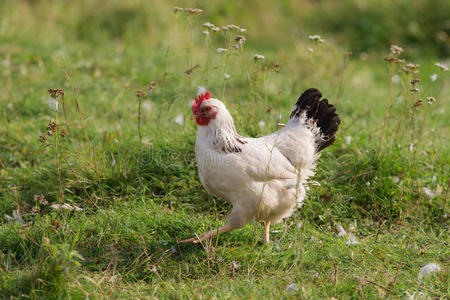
266, 232
208, 234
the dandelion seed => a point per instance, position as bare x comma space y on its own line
226, 76
396, 50
179, 119
257, 57
431, 100
261, 123
426, 270
433, 77
221, 50
348, 140
292, 289
441, 66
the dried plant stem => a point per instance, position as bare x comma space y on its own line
208, 58
163, 83
387, 117
75, 95
139, 119
266, 93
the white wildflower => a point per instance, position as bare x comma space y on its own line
221, 50
395, 179
411, 147
441, 66
242, 30
225, 28
426, 270
368, 183
53, 105
226, 76
299, 225
311, 50
433, 77
205, 32
179, 119
348, 139
257, 57
215, 29
262, 123
292, 289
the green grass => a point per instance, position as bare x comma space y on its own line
138, 199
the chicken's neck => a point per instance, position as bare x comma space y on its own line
221, 135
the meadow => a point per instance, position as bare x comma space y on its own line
98, 180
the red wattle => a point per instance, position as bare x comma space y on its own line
202, 121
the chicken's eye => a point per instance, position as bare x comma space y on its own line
207, 108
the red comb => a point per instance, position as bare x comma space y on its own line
199, 100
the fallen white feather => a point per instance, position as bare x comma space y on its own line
426, 270
66, 206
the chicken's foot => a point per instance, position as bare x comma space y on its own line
206, 235
266, 232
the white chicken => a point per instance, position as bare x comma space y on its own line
263, 178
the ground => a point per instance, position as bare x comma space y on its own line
120, 152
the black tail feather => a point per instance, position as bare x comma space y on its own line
323, 113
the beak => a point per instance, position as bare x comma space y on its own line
194, 117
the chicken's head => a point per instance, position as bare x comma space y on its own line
204, 109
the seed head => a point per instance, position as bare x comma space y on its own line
396, 50
418, 103
316, 38
63, 133
441, 66
221, 50
177, 9
257, 57
431, 100
412, 66
415, 81
43, 138
415, 90
193, 11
